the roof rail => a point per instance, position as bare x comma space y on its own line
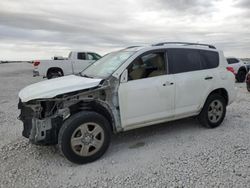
132, 47
185, 44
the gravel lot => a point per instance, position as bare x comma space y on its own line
176, 154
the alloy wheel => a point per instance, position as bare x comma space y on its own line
87, 139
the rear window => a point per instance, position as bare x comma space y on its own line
81, 56
186, 60
232, 60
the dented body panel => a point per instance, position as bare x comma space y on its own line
45, 113
51, 88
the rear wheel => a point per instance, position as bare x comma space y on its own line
54, 74
84, 137
241, 76
213, 112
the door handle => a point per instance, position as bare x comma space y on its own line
209, 78
167, 83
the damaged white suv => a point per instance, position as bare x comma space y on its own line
131, 88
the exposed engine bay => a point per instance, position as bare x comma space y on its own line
43, 118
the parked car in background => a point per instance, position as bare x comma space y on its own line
59, 66
238, 67
127, 89
247, 63
248, 81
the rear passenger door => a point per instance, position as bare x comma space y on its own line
193, 78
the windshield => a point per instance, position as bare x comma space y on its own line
107, 65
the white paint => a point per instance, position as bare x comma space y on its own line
72, 65
57, 86
146, 100
192, 89
152, 100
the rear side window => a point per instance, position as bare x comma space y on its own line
93, 56
232, 60
81, 56
186, 60
90, 57
97, 56
183, 60
209, 59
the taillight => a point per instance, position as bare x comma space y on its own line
36, 63
231, 69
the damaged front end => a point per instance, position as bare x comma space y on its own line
43, 118
41, 121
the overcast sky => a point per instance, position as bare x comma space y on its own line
32, 29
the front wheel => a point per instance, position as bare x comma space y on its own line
213, 112
84, 137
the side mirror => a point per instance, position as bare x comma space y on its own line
124, 76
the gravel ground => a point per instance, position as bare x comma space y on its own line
176, 154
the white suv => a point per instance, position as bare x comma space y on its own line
131, 88
238, 67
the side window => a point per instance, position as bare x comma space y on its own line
232, 61
209, 59
81, 56
145, 66
183, 60
90, 56
93, 56
96, 56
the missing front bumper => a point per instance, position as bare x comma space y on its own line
39, 131
43, 131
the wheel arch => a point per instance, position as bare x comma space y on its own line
221, 91
54, 69
97, 107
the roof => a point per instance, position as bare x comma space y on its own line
166, 45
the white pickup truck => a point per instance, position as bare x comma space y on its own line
75, 63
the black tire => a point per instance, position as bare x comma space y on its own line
54, 74
204, 118
241, 76
74, 123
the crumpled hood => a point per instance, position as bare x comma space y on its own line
57, 86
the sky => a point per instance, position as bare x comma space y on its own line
32, 29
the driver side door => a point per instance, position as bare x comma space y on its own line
148, 95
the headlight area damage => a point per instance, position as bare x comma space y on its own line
43, 118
